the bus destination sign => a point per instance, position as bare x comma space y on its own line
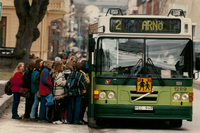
145, 25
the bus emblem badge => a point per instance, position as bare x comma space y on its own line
144, 85
107, 81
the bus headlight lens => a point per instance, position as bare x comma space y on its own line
185, 96
176, 96
111, 95
102, 94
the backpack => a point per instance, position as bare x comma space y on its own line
86, 77
71, 91
70, 82
8, 87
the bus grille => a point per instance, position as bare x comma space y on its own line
146, 98
134, 92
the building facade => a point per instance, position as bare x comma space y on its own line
104, 5
150, 7
9, 26
132, 7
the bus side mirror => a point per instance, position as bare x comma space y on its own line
197, 64
91, 44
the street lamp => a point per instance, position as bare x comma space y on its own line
53, 25
58, 30
55, 38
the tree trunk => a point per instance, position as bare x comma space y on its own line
29, 18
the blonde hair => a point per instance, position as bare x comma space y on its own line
17, 69
48, 63
59, 66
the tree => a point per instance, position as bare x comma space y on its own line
29, 15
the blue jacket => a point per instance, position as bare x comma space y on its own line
35, 81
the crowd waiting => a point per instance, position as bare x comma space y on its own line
48, 84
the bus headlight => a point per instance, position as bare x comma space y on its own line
176, 96
102, 94
185, 96
111, 95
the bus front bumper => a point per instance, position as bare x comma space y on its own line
128, 111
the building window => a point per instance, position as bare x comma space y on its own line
3, 32
194, 27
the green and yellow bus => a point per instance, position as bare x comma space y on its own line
141, 67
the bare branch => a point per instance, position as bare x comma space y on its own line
38, 10
43, 10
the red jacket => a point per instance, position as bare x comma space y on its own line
16, 82
45, 82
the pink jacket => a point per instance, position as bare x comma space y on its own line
16, 82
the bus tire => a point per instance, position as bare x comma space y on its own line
92, 122
175, 123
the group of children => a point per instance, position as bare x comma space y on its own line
47, 84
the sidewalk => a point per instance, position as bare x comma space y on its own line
5, 100
9, 125
197, 81
2, 85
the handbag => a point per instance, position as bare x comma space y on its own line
61, 104
24, 92
8, 87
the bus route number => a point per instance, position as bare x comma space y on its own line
180, 89
118, 25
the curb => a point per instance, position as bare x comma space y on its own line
196, 82
5, 101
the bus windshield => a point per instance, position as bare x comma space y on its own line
128, 55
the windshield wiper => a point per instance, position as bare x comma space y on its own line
135, 70
155, 71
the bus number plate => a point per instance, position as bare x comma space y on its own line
143, 107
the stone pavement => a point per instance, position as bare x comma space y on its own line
5, 100
8, 125
2, 85
197, 81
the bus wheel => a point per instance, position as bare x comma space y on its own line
92, 123
175, 123
100, 122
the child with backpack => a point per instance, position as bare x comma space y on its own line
44, 90
84, 102
75, 101
16, 82
27, 84
35, 80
